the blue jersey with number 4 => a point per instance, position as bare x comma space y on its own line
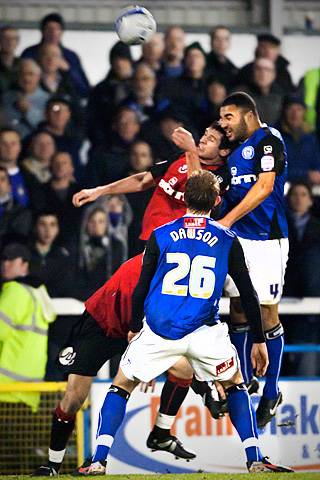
192, 266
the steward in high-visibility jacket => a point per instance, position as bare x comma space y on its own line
25, 313
311, 91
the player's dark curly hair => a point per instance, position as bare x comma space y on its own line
201, 191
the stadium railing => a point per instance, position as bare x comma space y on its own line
25, 435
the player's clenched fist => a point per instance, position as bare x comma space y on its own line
183, 139
85, 196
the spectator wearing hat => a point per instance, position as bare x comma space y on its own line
218, 64
269, 47
24, 105
9, 40
264, 90
302, 145
52, 27
107, 95
25, 314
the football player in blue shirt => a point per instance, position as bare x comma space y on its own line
256, 213
184, 269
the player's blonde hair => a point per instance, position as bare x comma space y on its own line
201, 192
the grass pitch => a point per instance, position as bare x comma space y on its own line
195, 476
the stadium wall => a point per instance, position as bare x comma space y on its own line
93, 48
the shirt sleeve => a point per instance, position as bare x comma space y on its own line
249, 298
269, 156
149, 266
159, 169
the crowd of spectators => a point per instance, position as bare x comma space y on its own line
59, 134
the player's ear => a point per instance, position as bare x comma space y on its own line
218, 200
224, 152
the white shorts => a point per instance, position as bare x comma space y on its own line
208, 349
266, 261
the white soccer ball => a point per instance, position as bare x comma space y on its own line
135, 25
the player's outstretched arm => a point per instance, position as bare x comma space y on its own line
184, 140
256, 195
134, 183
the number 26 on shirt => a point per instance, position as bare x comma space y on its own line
201, 279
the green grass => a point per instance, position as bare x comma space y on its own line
195, 476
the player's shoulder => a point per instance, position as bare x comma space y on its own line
224, 230
179, 164
272, 137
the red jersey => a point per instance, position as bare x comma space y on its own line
110, 306
167, 202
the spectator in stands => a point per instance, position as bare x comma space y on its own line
187, 92
52, 27
302, 146
10, 148
39, 156
174, 43
59, 124
9, 40
23, 326
266, 93
24, 106
269, 47
54, 80
218, 64
140, 161
209, 109
50, 261
14, 219
142, 98
309, 89
107, 95
152, 52
100, 252
58, 193
120, 217
303, 271
109, 163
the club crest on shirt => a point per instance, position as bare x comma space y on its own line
183, 168
194, 222
248, 152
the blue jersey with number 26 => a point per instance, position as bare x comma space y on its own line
186, 288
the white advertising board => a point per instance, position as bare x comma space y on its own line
216, 443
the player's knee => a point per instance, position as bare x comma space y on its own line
236, 379
182, 369
270, 316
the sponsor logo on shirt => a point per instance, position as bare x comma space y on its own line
247, 152
224, 366
183, 168
267, 163
167, 188
67, 356
194, 222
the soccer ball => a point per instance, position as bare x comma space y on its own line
135, 25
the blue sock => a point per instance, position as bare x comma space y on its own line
243, 418
241, 338
110, 418
275, 343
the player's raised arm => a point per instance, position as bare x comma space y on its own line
250, 303
184, 140
134, 183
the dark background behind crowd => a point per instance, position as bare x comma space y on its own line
58, 134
